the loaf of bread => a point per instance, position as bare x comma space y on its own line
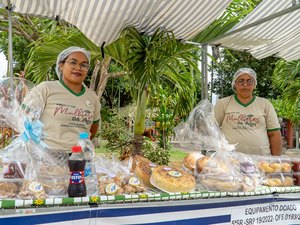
221, 185
143, 171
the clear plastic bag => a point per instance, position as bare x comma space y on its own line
201, 132
220, 169
21, 160
114, 177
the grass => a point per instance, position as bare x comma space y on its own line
176, 154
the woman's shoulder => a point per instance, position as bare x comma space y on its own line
262, 100
47, 84
91, 93
224, 100
264, 103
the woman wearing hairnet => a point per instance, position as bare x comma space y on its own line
246, 120
68, 106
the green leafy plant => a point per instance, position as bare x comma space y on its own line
155, 154
117, 134
119, 140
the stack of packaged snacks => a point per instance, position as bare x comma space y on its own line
276, 170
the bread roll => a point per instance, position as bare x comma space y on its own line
276, 167
190, 160
201, 162
286, 167
287, 181
265, 167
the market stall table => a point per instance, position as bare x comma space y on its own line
276, 205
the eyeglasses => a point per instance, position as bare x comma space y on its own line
73, 64
241, 82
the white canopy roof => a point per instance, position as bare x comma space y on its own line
272, 28
103, 20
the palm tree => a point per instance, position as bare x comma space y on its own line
159, 59
148, 61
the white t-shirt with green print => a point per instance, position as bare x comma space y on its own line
247, 125
64, 113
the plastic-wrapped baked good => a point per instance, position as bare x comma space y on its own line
120, 185
14, 169
189, 161
54, 176
274, 164
32, 190
143, 171
167, 179
54, 185
278, 180
133, 184
200, 164
9, 189
217, 182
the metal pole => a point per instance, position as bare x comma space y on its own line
10, 45
10, 49
297, 138
204, 93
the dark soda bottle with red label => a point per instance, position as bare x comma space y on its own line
76, 163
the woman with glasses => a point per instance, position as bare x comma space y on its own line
68, 106
247, 120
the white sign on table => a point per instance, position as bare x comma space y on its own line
266, 214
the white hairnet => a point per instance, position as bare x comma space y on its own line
65, 53
241, 71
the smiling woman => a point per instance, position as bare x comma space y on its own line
3, 65
69, 107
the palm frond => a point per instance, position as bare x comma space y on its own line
44, 54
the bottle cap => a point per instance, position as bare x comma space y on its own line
84, 135
76, 149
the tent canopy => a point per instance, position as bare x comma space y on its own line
271, 29
103, 20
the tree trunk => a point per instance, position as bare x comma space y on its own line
95, 75
138, 144
98, 85
139, 122
105, 75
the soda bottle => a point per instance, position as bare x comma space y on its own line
76, 163
89, 170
